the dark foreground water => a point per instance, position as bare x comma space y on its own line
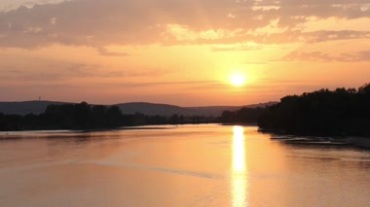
203, 165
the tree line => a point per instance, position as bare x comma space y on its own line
84, 116
244, 115
339, 112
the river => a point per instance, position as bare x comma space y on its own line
190, 165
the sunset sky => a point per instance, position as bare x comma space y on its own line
181, 52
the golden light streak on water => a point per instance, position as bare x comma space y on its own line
239, 169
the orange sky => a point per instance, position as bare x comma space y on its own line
180, 52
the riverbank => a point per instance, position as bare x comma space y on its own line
358, 142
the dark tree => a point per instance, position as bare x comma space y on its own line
333, 113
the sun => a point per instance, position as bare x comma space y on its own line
238, 79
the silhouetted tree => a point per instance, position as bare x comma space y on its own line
98, 116
244, 115
114, 116
340, 112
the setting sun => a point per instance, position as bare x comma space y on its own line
210, 54
185, 103
238, 79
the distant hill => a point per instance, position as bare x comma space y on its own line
38, 107
153, 109
217, 110
212, 110
168, 110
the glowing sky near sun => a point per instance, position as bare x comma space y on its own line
180, 52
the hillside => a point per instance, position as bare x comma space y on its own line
168, 110
153, 109
37, 107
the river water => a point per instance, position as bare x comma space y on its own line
190, 165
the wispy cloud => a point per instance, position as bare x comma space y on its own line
99, 23
324, 57
238, 47
60, 71
105, 52
8, 5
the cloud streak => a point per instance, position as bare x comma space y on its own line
49, 72
362, 56
97, 23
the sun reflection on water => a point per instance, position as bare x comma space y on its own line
239, 169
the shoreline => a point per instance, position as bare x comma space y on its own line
350, 141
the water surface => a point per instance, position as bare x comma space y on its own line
191, 165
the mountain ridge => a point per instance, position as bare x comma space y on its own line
147, 108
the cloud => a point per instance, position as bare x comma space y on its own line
105, 52
321, 36
48, 72
8, 5
98, 23
238, 47
196, 84
60, 71
324, 57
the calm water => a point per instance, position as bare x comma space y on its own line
204, 165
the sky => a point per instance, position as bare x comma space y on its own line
180, 52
